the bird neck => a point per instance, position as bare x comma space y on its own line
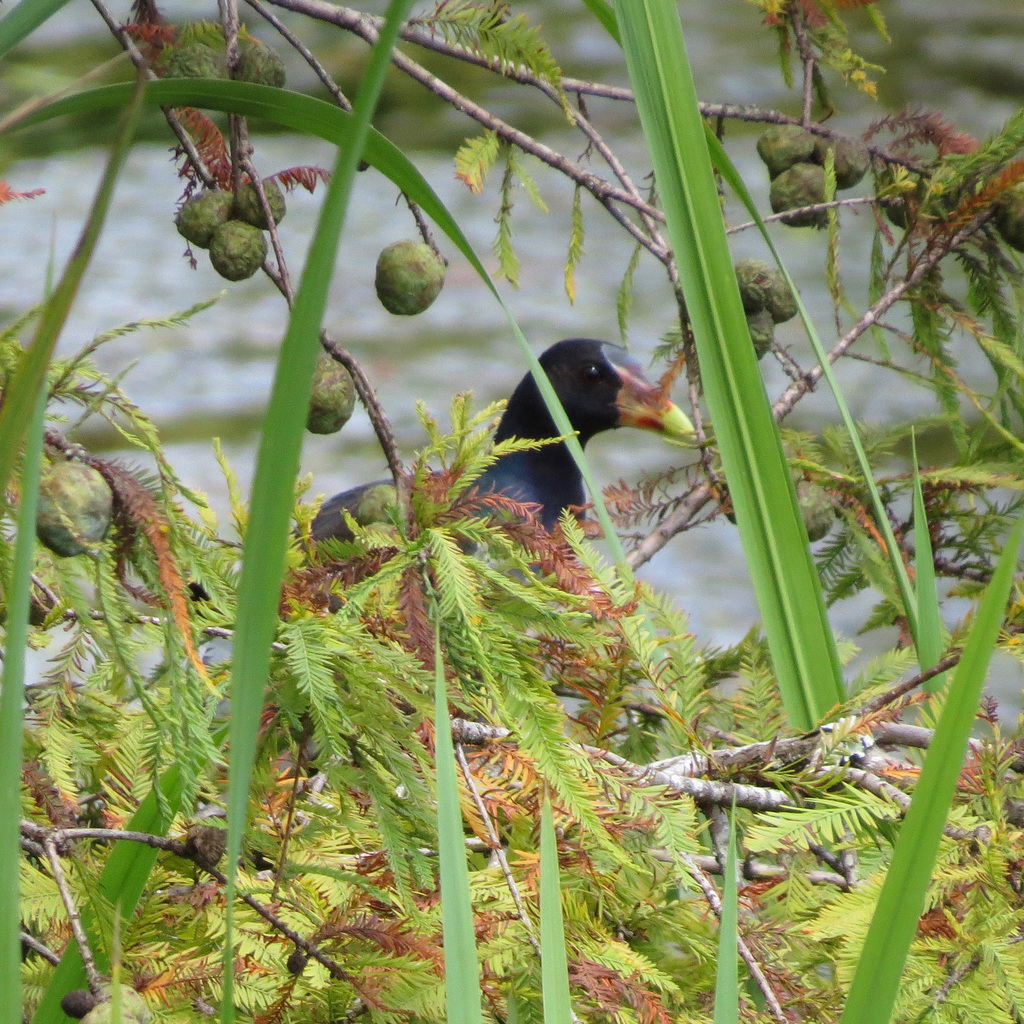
527, 417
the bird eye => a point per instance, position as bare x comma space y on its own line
592, 373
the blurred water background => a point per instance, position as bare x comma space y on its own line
213, 379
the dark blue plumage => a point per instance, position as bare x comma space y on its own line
600, 386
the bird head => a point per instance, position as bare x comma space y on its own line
601, 386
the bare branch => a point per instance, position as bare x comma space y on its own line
297, 44
803, 44
93, 975
935, 252
702, 791
37, 947
50, 837
378, 417
715, 902
367, 28
497, 850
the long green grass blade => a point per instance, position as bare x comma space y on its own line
12, 699
876, 981
605, 14
24, 412
731, 176
277, 465
785, 580
727, 990
288, 109
929, 619
554, 967
461, 969
20, 396
23, 20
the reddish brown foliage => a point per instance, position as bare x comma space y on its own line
609, 991
555, 557
935, 924
671, 374
137, 511
307, 177
412, 606
60, 810
1010, 176
922, 127
390, 936
632, 504
311, 586
152, 37
506, 780
212, 148
8, 194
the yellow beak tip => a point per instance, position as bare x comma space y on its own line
676, 423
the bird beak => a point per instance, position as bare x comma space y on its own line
645, 405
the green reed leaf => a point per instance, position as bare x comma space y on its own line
785, 579
876, 981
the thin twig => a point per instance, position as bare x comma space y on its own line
803, 45
673, 523
954, 978
930, 257
51, 836
415, 32
238, 133
282, 280
715, 902
367, 28
95, 615
837, 862
378, 417
297, 44
680, 518
902, 689
421, 224
834, 204
95, 979
37, 947
497, 850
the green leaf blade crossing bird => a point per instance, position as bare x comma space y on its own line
600, 385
